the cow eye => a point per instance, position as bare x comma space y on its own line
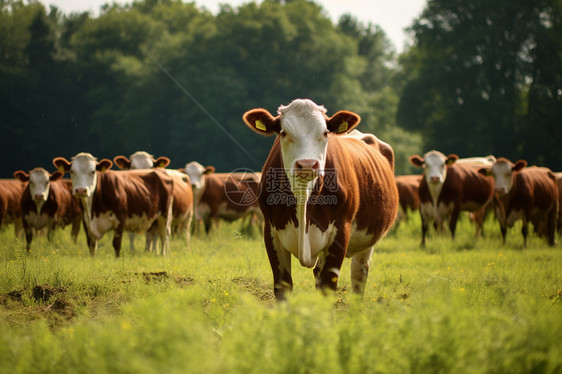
326, 133
93, 172
282, 133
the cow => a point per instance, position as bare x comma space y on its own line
408, 195
446, 189
11, 191
48, 202
324, 195
182, 207
228, 196
524, 193
130, 200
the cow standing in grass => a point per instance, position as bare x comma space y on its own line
48, 202
182, 207
11, 191
525, 193
324, 195
130, 200
448, 188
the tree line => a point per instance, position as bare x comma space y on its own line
172, 79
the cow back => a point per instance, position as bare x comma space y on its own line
464, 184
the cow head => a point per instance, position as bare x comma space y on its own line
39, 182
141, 160
503, 171
82, 169
303, 130
435, 164
196, 173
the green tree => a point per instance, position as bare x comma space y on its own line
468, 76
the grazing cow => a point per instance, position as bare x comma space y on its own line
526, 193
408, 194
48, 202
228, 196
182, 207
324, 195
11, 191
447, 189
131, 200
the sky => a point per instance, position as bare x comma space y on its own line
391, 15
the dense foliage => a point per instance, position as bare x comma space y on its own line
173, 79
485, 77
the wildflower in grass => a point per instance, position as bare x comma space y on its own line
462, 289
126, 325
225, 293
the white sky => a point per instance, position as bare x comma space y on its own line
392, 15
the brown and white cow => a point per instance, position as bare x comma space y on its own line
447, 189
48, 202
526, 193
11, 191
182, 207
324, 195
409, 198
228, 196
130, 200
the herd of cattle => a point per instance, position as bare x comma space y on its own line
326, 192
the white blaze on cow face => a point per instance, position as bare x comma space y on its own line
503, 173
304, 140
142, 160
196, 172
83, 175
39, 184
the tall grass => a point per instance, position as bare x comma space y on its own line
471, 305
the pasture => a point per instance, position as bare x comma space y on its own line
466, 306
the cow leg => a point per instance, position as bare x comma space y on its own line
28, 235
329, 274
75, 231
186, 227
132, 242
503, 230
525, 231
360, 270
280, 261
92, 244
453, 221
117, 238
479, 220
18, 227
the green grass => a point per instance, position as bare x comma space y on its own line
467, 306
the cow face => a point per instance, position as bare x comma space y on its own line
83, 174
435, 164
196, 173
39, 182
141, 160
503, 172
303, 130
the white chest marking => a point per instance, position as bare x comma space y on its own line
319, 241
102, 224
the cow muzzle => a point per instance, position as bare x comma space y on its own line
435, 179
306, 168
80, 192
501, 191
39, 197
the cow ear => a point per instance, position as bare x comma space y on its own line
416, 161
209, 170
182, 170
342, 122
21, 176
104, 165
56, 176
161, 162
485, 171
451, 159
61, 164
262, 122
122, 162
519, 165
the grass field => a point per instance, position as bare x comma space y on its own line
463, 306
